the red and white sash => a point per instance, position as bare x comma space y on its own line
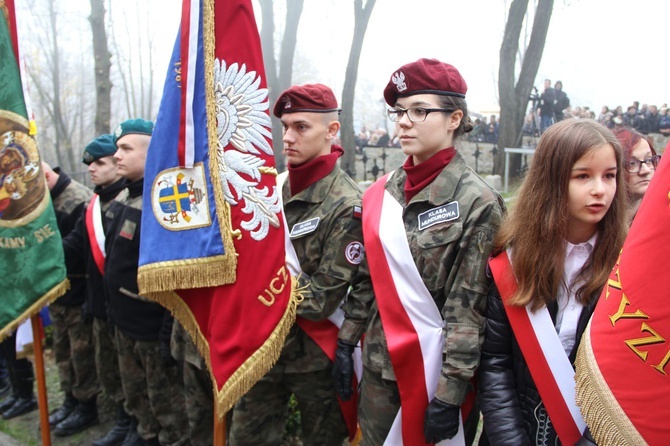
550, 367
325, 332
412, 322
96, 234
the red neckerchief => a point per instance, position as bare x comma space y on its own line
304, 175
418, 177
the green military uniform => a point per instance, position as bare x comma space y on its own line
451, 258
72, 334
325, 222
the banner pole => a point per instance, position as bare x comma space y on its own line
41, 380
219, 429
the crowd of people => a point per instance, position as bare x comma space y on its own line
431, 296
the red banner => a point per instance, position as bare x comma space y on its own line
212, 243
623, 362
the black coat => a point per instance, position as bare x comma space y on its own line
510, 402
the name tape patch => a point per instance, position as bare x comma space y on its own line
304, 227
441, 214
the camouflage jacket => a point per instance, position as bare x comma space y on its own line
69, 199
327, 236
451, 258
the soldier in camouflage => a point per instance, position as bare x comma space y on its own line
72, 332
450, 248
322, 208
82, 241
149, 375
198, 389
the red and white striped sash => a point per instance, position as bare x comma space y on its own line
412, 322
325, 332
550, 367
96, 234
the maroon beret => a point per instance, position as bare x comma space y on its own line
316, 98
425, 76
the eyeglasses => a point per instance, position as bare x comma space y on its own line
634, 165
414, 114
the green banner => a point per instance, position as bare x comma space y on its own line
31, 251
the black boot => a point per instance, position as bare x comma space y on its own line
84, 416
13, 396
25, 402
119, 431
63, 411
133, 438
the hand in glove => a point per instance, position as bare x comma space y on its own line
166, 355
343, 369
441, 421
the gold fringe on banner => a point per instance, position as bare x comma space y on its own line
50, 296
222, 206
185, 274
606, 419
261, 361
255, 367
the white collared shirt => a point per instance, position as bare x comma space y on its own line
569, 309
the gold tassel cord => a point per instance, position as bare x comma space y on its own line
49, 297
261, 361
606, 419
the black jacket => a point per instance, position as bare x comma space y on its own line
77, 244
510, 402
69, 198
137, 317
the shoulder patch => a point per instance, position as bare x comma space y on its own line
354, 252
358, 212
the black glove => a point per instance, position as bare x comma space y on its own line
86, 314
343, 369
441, 421
166, 355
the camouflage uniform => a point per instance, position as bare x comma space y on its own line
153, 389
303, 368
72, 333
198, 389
107, 360
451, 259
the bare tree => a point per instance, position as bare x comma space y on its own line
134, 59
514, 96
279, 79
59, 86
362, 15
102, 58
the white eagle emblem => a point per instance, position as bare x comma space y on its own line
243, 130
399, 80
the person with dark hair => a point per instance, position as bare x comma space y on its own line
639, 162
554, 254
562, 101
427, 262
547, 104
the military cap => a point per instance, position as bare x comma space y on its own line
425, 76
137, 126
100, 147
316, 98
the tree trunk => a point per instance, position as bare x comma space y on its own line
279, 80
102, 58
514, 98
362, 18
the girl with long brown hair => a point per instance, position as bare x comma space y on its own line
556, 249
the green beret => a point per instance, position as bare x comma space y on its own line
138, 126
100, 147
